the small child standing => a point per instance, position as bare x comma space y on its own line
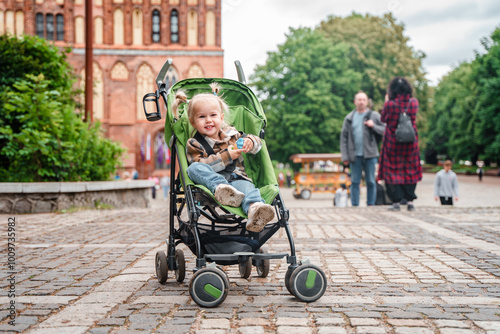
340, 199
217, 163
446, 184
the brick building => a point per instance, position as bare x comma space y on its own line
132, 40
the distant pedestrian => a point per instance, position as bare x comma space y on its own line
446, 184
479, 173
399, 164
340, 199
165, 185
281, 179
288, 179
359, 147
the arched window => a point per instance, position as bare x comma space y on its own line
192, 28
195, 71
2, 26
137, 27
156, 26
210, 28
118, 34
19, 23
98, 30
79, 30
9, 22
40, 31
59, 27
49, 22
145, 85
174, 26
119, 72
172, 77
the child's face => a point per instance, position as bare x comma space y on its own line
208, 119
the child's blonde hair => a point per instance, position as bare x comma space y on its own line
180, 97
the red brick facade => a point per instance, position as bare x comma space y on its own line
118, 95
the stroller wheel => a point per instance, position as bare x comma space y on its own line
245, 268
161, 267
180, 272
264, 265
209, 287
288, 275
308, 283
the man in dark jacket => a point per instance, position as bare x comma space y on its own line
359, 146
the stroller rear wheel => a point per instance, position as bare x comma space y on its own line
161, 267
245, 268
209, 287
308, 283
180, 272
262, 266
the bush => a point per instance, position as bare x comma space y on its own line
41, 136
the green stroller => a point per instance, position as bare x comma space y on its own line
216, 234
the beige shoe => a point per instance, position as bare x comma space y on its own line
259, 214
228, 195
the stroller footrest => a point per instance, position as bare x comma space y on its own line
221, 257
236, 256
268, 256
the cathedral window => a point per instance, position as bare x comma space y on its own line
49, 26
156, 26
59, 27
174, 26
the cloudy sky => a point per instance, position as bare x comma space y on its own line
447, 31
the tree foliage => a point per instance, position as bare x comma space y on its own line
379, 50
466, 117
308, 85
41, 137
304, 85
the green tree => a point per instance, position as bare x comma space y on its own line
455, 104
487, 130
41, 136
466, 119
306, 87
379, 51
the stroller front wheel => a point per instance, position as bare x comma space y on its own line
161, 267
209, 287
308, 283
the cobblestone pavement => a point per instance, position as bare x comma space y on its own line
435, 270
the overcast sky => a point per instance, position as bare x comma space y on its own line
447, 31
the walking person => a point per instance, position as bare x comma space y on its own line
359, 147
446, 184
399, 164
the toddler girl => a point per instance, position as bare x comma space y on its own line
216, 162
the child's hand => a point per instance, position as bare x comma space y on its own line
235, 153
247, 145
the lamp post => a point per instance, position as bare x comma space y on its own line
89, 34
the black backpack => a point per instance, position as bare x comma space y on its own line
405, 133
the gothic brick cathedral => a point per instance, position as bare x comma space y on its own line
132, 40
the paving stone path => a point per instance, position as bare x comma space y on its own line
435, 270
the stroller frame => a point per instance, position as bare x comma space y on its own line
209, 285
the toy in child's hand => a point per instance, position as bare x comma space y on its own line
239, 144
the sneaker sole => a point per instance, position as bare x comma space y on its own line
261, 217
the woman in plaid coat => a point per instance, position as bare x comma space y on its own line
399, 164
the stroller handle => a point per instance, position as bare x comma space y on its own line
160, 79
239, 70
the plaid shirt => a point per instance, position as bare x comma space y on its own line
399, 163
221, 159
